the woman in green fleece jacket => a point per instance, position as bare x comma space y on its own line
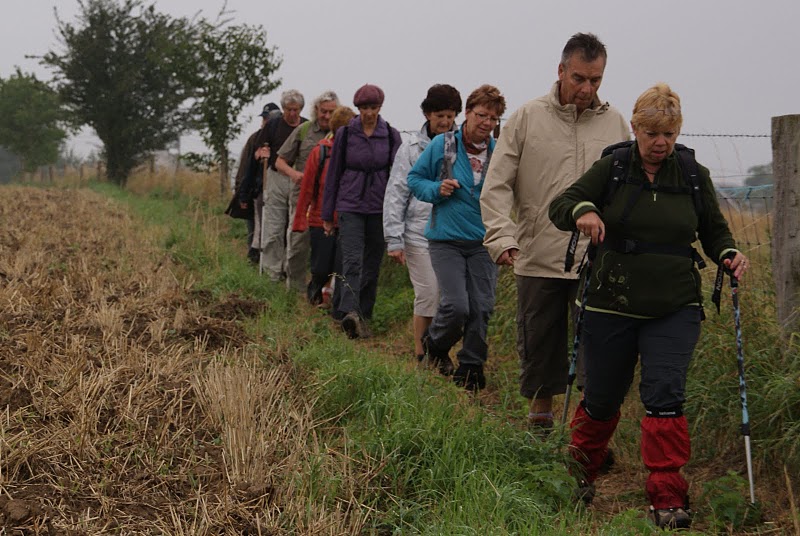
643, 297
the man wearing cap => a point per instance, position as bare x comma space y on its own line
269, 111
293, 251
545, 146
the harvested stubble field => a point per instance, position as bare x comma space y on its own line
135, 401
132, 403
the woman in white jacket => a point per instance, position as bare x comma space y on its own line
405, 216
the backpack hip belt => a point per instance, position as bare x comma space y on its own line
627, 245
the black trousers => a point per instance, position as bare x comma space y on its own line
613, 345
361, 242
322, 262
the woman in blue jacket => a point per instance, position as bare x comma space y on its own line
464, 270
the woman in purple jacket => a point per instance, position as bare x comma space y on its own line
362, 155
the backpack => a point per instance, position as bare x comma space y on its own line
323, 155
619, 175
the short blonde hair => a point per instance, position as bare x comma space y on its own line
658, 108
340, 117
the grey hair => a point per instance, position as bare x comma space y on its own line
326, 96
587, 45
292, 96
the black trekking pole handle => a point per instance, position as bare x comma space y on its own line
576, 339
742, 383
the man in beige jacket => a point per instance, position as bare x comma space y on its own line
543, 148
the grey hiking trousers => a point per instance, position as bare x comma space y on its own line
467, 279
285, 253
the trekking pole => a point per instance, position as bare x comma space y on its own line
576, 340
261, 260
742, 385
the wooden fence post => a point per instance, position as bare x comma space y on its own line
786, 223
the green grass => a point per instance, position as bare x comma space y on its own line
437, 461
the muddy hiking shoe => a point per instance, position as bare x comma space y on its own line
363, 329
672, 518
608, 463
540, 424
470, 377
350, 324
585, 492
438, 358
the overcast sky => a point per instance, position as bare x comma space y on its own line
733, 62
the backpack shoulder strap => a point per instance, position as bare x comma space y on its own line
323, 155
619, 168
391, 142
690, 170
304, 130
450, 154
345, 135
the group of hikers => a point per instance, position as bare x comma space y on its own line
453, 203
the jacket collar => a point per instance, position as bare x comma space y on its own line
381, 129
570, 111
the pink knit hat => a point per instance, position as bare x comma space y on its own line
368, 94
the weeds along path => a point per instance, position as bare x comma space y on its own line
131, 402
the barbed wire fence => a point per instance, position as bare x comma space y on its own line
748, 209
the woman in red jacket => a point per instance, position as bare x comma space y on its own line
309, 207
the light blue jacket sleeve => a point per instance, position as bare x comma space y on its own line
395, 201
423, 179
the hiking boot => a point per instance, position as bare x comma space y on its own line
253, 255
436, 356
608, 463
364, 331
350, 324
470, 377
585, 492
671, 518
540, 424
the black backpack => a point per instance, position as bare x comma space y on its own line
619, 175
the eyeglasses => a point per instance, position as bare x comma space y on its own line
486, 117
650, 112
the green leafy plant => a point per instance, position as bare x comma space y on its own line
727, 499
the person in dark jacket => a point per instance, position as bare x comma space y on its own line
270, 111
643, 297
362, 155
